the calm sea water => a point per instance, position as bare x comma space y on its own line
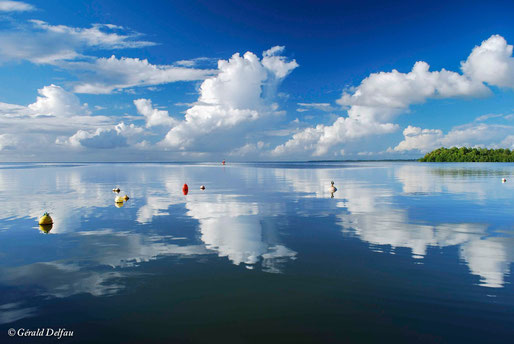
402, 252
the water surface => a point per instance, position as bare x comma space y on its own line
404, 252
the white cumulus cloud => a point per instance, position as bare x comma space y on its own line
322, 137
470, 135
373, 105
491, 62
420, 139
232, 103
103, 138
34, 129
154, 117
55, 101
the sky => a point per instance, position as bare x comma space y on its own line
253, 80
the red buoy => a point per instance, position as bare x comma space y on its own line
185, 189
223, 162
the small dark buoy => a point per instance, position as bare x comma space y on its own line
202, 187
504, 180
116, 190
126, 198
185, 189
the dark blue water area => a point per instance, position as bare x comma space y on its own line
401, 252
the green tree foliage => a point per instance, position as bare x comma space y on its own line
465, 154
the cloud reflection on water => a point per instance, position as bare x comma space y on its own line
228, 225
236, 217
374, 215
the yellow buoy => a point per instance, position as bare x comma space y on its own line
45, 228
119, 204
118, 199
45, 219
126, 198
116, 190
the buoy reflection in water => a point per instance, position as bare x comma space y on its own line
46, 228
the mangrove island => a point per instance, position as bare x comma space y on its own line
465, 154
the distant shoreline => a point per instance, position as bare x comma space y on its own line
204, 162
365, 160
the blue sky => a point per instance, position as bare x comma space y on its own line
160, 81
